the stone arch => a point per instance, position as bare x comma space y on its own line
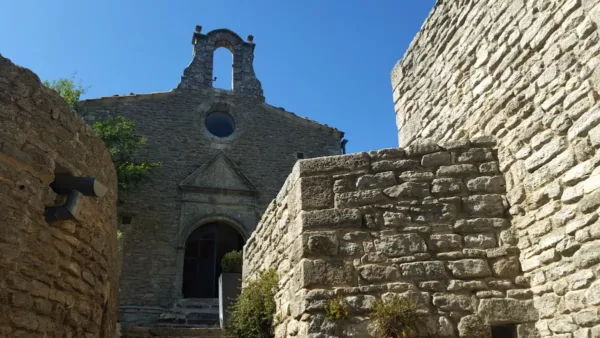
199, 74
205, 246
222, 66
187, 230
224, 38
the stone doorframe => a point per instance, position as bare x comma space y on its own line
185, 231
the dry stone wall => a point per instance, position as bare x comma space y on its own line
427, 222
58, 279
525, 72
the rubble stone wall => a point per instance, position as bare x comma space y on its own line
527, 73
204, 178
162, 215
58, 279
427, 222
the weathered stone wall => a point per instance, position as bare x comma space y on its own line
262, 150
58, 279
525, 72
199, 74
425, 222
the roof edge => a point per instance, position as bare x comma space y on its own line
133, 96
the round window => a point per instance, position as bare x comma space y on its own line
219, 124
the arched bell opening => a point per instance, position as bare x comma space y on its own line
222, 70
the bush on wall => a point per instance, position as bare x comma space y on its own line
395, 318
253, 313
232, 262
117, 133
336, 309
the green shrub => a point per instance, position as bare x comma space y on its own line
253, 313
396, 318
336, 309
232, 262
68, 90
118, 134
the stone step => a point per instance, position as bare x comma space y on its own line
170, 332
198, 307
187, 326
197, 303
190, 313
191, 323
189, 320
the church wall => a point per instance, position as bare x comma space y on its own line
263, 147
527, 73
428, 222
57, 279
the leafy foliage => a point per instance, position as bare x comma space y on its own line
68, 90
254, 311
118, 135
232, 262
395, 318
121, 142
336, 309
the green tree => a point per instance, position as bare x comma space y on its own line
118, 134
120, 139
68, 89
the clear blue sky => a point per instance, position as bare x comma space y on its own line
328, 60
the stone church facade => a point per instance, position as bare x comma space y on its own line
487, 216
225, 155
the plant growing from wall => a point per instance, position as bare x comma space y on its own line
68, 90
253, 313
120, 139
336, 309
396, 317
232, 262
118, 135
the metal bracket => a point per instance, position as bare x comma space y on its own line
74, 187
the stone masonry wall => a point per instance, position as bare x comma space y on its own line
426, 222
58, 279
525, 72
254, 162
173, 123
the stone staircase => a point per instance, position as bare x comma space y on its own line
192, 313
170, 332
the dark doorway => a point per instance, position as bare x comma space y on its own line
204, 250
504, 331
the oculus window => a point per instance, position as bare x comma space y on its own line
220, 124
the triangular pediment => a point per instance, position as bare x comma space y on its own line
218, 174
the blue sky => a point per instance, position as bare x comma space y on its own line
328, 60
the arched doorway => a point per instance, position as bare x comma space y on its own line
204, 249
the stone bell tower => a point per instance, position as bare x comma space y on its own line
199, 74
